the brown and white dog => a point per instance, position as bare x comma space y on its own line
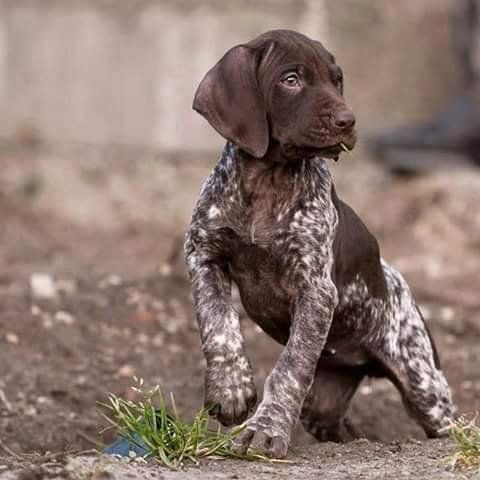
308, 270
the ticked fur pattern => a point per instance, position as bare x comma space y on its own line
298, 246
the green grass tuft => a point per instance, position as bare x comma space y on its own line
168, 438
466, 438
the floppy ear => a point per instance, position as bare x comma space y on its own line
230, 99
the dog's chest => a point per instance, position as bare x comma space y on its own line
259, 273
267, 224
254, 241
259, 247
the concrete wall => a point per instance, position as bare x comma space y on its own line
102, 72
124, 71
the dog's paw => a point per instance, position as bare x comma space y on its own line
264, 434
230, 393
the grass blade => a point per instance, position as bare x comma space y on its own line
165, 435
465, 435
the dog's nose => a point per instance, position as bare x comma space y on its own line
344, 119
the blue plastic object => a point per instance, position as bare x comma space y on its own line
122, 447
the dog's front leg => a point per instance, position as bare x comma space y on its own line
269, 430
229, 388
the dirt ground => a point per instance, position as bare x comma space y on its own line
119, 305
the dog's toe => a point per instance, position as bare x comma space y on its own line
261, 442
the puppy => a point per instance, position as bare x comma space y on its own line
308, 270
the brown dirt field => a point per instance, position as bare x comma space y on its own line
117, 313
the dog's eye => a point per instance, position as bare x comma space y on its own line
339, 78
291, 80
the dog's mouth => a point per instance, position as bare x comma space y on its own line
330, 151
333, 151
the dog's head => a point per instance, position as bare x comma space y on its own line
280, 87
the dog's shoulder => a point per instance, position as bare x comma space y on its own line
205, 232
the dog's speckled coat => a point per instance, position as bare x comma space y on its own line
308, 271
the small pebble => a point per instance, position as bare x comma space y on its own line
447, 313
64, 317
43, 286
126, 371
143, 338
12, 338
81, 380
30, 411
110, 281
165, 270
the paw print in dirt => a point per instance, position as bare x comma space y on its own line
230, 392
266, 434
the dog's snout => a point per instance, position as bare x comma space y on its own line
344, 119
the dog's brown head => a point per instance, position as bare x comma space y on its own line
281, 87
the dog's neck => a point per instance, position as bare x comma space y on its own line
282, 154
271, 175
273, 179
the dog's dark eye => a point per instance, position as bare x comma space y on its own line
339, 78
291, 80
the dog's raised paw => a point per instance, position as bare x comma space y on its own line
230, 392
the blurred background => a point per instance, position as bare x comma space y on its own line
102, 159
101, 92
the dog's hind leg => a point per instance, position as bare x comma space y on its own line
408, 354
423, 386
324, 410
